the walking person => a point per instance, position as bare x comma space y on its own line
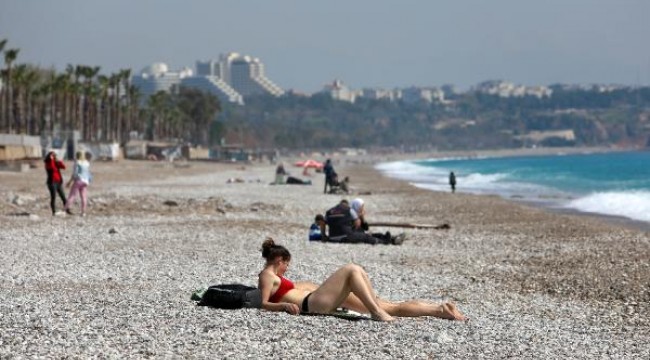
80, 180
452, 182
54, 181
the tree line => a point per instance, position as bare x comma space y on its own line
102, 107
107, 107
471, 120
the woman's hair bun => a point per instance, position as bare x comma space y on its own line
266, 246
271, 251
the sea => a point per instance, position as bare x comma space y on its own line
610, 183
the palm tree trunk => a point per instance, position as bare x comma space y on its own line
2, 102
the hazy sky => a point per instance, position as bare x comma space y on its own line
366, 43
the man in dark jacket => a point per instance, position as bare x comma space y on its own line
347, 226
331, 178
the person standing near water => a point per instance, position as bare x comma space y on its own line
452, 181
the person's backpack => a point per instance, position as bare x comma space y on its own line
230, 296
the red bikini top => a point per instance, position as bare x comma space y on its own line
285, 286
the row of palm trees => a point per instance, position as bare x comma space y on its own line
36, 101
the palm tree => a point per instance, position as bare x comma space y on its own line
10, 57
18, 80
3, 91
40, 103
125, 77
24, 81
78, 91
93, 93
33, 81
114, 121
3, 43
158, 106
133, 94
101, 120
52, 89
89, 73
63, 87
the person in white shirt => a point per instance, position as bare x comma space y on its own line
80, 180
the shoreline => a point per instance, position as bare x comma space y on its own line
548, 205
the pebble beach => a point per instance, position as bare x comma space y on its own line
117, 283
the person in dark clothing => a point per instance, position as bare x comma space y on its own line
346, 226
452, 181
331, 178
54, 181
295, 181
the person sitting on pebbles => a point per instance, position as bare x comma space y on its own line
347, 224
348, 287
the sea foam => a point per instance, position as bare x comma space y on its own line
631, 204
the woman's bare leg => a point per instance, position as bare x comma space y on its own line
334, 291
412, 308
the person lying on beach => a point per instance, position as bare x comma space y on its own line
347, 225
349, 287
296, 181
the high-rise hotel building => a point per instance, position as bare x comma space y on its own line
243, 73
231, 78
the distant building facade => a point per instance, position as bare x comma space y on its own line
243, 73
231, 78
508, 89
410, 94
417, 94
377, 94
157, 77
339, 91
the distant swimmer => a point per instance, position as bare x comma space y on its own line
452, 181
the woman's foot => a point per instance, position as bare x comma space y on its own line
382, 315
68, 211
451, 312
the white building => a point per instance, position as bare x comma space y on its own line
377, 93
230, 78
508, 89
243, 73
340, 91
414, 94
157, 77
214, 85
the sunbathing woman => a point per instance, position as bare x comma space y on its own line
349, 287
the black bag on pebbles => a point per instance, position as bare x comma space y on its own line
229, 296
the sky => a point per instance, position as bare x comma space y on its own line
365, 43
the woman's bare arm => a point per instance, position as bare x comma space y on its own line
265, 284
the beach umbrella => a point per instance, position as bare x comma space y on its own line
310, 164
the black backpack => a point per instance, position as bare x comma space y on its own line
231, 296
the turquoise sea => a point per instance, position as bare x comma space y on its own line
614, 183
